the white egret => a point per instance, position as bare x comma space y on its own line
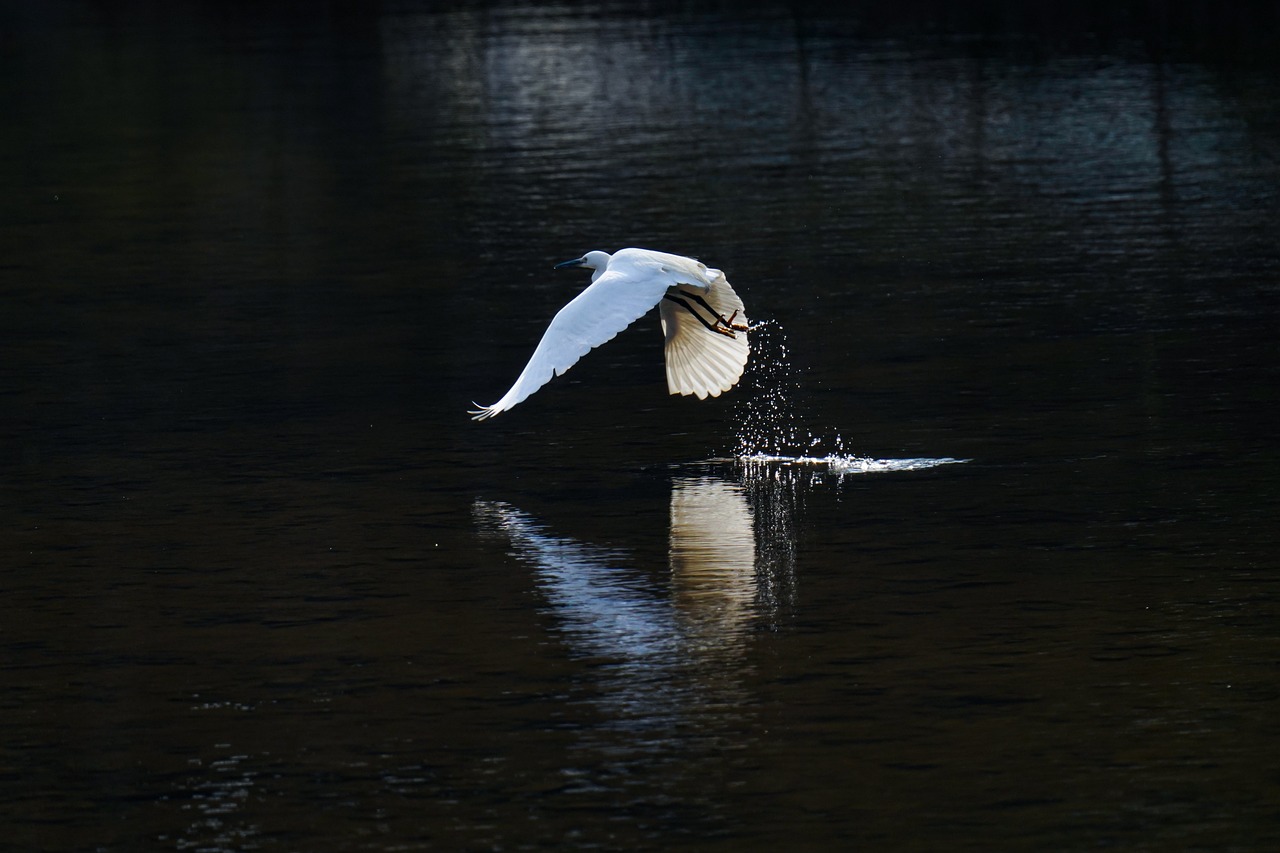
703, 321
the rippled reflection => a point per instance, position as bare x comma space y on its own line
713, 549
1045, 161
671, 647
603, 605
217, 792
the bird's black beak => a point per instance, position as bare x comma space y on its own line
576, 262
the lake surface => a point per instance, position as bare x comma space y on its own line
982, 554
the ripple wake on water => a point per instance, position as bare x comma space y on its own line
836, 464
770, 433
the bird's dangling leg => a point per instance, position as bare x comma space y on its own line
715, 327
720, 320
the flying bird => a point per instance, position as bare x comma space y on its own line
703, 321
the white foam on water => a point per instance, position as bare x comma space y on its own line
770, 431
837, 464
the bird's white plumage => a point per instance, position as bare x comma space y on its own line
699, 361
624, 287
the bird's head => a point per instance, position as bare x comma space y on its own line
590, 261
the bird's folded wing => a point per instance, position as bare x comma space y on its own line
700, 361
613, 302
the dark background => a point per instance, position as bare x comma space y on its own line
268, 587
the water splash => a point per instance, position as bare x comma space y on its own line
771, 432
766, 418
837, 464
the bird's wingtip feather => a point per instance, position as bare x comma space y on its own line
482, 413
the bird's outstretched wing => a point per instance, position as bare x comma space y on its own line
614, 301
700, 361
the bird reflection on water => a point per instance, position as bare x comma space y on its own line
671, 644
672, 648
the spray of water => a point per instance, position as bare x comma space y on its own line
771, 428
770, 423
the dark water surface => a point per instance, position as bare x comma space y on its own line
266, 586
